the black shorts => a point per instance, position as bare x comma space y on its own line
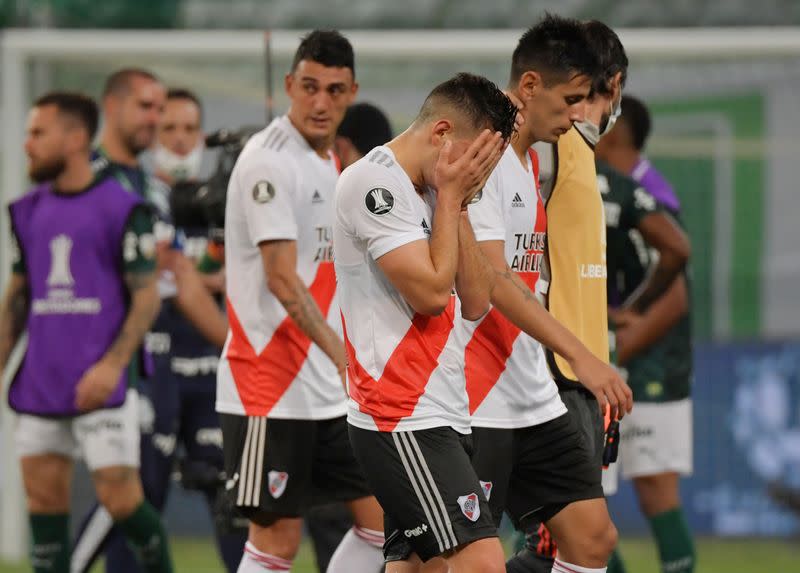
429, 492
281, 468
533, 473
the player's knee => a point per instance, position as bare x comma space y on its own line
47, 500
280, 538
603, 542
118, 490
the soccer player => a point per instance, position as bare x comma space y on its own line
133, 101
530, 454
280, 380
403, 242
364, 127
574, 277
83, 284
654, 343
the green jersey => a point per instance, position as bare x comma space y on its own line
661, 373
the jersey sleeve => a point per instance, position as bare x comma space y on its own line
638, 205
486, 211
380, 213
139, 241
266, 189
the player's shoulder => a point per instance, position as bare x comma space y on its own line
377, 169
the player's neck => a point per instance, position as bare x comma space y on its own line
116, 151
521, 144
406, 148
76, 177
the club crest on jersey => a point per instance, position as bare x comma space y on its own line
60, 274
277, 483
263, 191
487, 489
379, 201
470, 506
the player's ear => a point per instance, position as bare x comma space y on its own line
288, 82
442, 130
529, 84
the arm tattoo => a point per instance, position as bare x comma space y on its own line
510, 275
13, 317
304, 311
140, 317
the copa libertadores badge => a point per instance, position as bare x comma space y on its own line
263, 192
379, 201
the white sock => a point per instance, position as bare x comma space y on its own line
360, 550
255, 561
562, 567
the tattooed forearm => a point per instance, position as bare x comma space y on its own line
13, 316
509, 275
143, 310
303, 310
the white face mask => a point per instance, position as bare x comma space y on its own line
616, 111
592, 132
177, 167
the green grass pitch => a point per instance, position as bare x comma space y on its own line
714, 556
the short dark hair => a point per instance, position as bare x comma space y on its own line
610, 54
326, 47
188, 95
477, 99
556, 48
119, 83
366, 126
74, 105
637, 117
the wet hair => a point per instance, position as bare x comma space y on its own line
637, 118
187, 95
610, 53
477, 99
366, 126
326, 47
76, 106
119, 83
557, 48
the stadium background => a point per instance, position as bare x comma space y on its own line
726, 135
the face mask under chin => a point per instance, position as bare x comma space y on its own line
177, 167
592, 132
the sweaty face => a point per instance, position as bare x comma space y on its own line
179, 130
319, 98
139, 113
557, 107
45, 143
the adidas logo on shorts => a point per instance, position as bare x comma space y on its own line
317, 198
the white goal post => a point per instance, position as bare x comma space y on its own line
20, 47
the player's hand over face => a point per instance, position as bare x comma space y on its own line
460, 180
96, 385
605, 383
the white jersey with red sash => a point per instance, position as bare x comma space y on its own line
280, 189
508, 383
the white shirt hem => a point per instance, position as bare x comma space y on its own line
536, 418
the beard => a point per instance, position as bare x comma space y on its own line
138, 141
47, 171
